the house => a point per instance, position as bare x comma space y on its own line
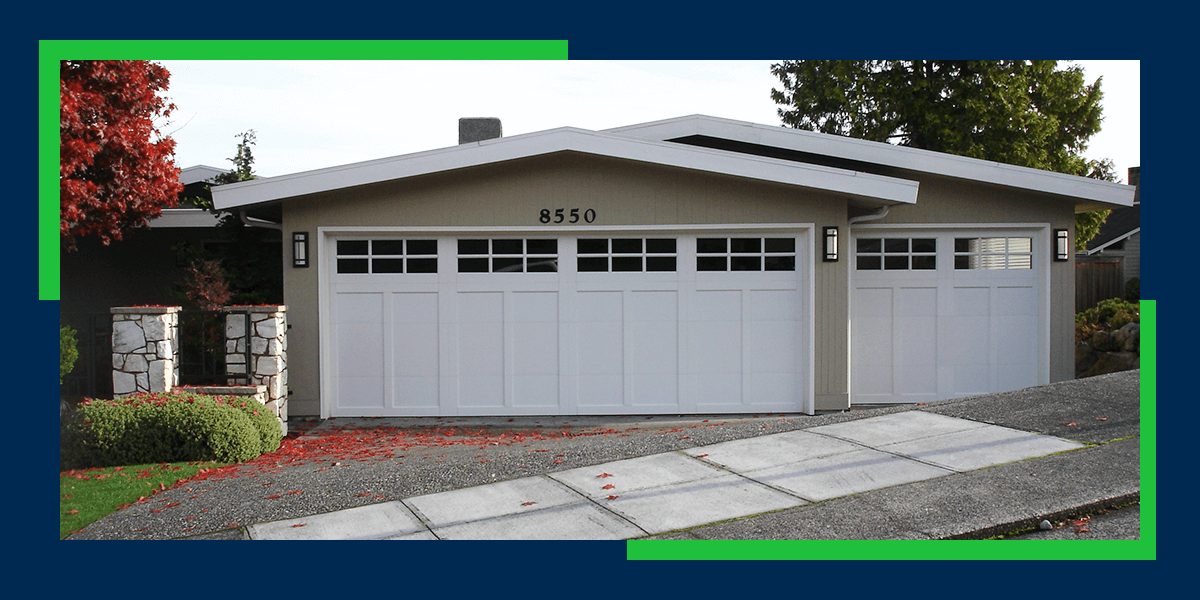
1120, 237
147, 267
692, 265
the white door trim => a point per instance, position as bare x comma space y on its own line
1042, 239
325, 364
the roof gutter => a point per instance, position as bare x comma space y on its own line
251, 222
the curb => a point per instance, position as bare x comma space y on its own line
1031, 523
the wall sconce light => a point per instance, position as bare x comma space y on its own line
1062, 245
300, 249
831, 244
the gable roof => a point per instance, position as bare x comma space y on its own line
1122, 223
880, 153
874, 188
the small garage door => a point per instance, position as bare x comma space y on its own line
943, 313
629, 323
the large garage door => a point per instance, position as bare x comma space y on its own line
635, 323
944, 313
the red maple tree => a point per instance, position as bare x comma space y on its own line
117, 170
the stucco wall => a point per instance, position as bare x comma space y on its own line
511, 194
944, 200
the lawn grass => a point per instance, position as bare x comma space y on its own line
86, 495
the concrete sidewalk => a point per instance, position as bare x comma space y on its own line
740, 488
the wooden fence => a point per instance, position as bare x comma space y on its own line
1097, 280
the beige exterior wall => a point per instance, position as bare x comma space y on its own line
622, 192
944, 200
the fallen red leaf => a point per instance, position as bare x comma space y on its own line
613, 497
528, 503
701, 456
73, 511
1102, 418
604, 476
1071, 424
607, 486
299, 525
273, 497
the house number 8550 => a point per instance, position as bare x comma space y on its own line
565, 215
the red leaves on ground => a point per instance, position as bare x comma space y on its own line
299, 525
607, 486
1081, 525
612, 497
73, 511
1102, 418
294, 492
362, 494
1071, 424
701, 456
273, 497
604, 476
528, 503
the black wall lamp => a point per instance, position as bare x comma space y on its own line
1062, 245
831, 244
300, 249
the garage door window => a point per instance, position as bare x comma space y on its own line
627, 255
508, 256
745, 254
896, 254
386, 256
993, 253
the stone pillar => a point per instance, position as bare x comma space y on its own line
145, 349
266, 361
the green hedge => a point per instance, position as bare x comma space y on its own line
68, 350
153, 428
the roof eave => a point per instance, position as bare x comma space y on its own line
1084, 190
875, 188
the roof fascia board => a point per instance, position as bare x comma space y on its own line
914, 159
1091, 251
875, 187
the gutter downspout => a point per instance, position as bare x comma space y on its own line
248, 222
879, 214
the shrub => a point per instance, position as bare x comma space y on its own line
68, 350
1133, 289
152, 428
263, 420
1110, 314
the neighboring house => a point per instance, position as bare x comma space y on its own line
693, 265
1121, 235
146, 267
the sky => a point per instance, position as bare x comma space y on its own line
316, 114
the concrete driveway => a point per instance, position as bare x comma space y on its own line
669, 491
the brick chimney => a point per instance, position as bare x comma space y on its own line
478, 129
1135, 179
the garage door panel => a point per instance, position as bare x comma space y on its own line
774, 347
415, 350
599, 342
774, 305
953, 330
360, 392
772, 388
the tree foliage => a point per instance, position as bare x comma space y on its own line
117, 170
1028, 113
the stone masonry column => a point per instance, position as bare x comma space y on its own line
145, 349
266, 361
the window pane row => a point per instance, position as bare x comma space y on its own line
508, 247
627, 246
387, 247
993, 253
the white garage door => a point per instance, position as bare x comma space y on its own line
563, 324
943, 313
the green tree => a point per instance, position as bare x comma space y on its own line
1028, 113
